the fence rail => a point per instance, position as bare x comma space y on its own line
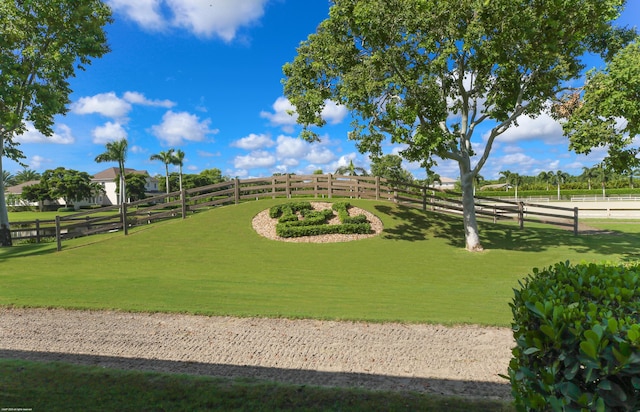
179, 204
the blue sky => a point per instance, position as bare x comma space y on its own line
205, 77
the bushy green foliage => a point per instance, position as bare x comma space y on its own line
288, 209
314, 222
297, 231
577, 332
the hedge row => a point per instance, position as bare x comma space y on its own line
289, 209
577, 331
314, 222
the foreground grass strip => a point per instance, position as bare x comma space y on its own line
64, 387
214, 263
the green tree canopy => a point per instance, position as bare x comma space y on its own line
427, 73
390, 167
136, 186
42, 43
608, 114
67, 184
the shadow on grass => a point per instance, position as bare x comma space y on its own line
26, 250
472, 389
415, 225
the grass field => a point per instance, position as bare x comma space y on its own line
214, 263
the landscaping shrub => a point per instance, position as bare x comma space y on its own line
577, 332
297, 231
315, 222
66, 209
289, 209
343, 213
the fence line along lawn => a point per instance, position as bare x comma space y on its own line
214, 263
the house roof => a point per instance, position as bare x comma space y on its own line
112, 172
496, 186
17, 189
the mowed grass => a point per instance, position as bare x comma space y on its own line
63, 387
214, 263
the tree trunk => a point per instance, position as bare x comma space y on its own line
5, 233
471, 236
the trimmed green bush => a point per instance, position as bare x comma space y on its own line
289, 209
577, 332
343, 213
315, 222
66, 209
297, 231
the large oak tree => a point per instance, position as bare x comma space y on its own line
42, 43
429, 73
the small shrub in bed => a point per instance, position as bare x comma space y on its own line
343, 213
289, 209
577, 332
315, 221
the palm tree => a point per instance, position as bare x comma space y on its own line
117, 152
178, 159
27, 175
351, 170
8, 179
588, 173
516, 180
546, 177
560, 177
603, 174
631, 173
166, 158
507, 177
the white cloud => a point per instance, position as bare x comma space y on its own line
320, 155
110, 105
253, 142
219, 18
178, 127
333, 113
291, 147
139, 98
135, 149
62, 135
543, 128
256, 159
203, 153
109, 132
106, 104
144, 12
284, 113
36, 162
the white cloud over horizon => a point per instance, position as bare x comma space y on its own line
61, 135
176, 128
206, 19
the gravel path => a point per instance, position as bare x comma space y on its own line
461, 360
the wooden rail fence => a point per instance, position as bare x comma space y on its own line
328, 186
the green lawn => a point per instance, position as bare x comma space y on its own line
62, 387
214, 263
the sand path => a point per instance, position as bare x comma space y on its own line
461, 360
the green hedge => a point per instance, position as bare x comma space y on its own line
289, 209
315, 222
577, 332
297, 231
